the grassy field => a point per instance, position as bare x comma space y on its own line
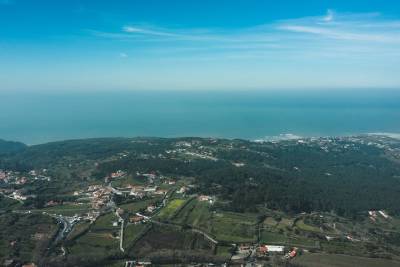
270, 222
273, 237
105, 222
225, 226
224, 251
344, 247
136, 206
125, 181
172, 206
196, 214
132, 231
78, 230
234, 227
330, 260
170, 238
68, 209
97, 243
306, 227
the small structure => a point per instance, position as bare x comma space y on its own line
182, 190
205, 198
150, 208
384, 215
136, 219
264, 249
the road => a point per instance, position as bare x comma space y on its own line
121, 239
67, 227
121, 234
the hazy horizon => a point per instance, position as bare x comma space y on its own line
42, 117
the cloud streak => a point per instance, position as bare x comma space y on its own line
369, 27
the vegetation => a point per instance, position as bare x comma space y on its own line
314, 195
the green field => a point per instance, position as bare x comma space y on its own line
224, 251
127, 180
272, 237
96, 243
105, 222
68, 209
132, 231
78, 229
306, 227
234, 227
330, 260
196, 214
136, 206
172, 207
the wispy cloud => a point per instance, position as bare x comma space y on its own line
329, 16
326, 36
138, 30
369, 27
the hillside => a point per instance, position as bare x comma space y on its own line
197, 196
7, 147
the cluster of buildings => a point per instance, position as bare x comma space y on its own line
99, 195
16, 194
140, 191
17, 178
262, 251
373, 215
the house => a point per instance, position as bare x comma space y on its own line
205, 198
271, 249
384, 215
150, 189
136, 219
51, 203
137, 188
161, 192
150, 208
182, 190
238, 164
117, 174
293, 253
119, 211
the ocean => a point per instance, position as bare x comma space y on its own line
41, 117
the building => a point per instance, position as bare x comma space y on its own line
136, 219
150, 208
271, 249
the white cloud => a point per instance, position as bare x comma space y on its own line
331, 35
146, 31
367, 27
123, 55
329, 16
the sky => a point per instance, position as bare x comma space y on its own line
89, 45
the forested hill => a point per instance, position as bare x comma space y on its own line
347, 175
7, 147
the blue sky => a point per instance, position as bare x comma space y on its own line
198, 45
